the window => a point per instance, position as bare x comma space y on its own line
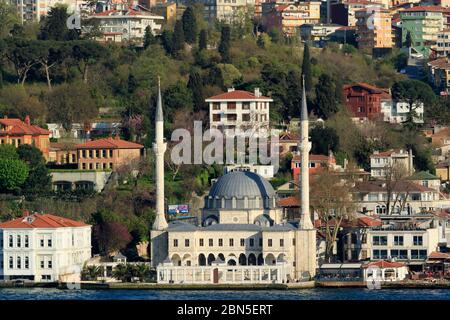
231, 105
246, 117
175, 242
379, 240
231, 242
418, 240
269, 242
11, 263
260, 242
245, 105
27, 242
399, 254
19, 263
201, 243
293, 241
216, 106
398, 240
19, 241
232, 117
110, 153
216, 117
211, 242
42, 242
42, 264
49, 264
418, 254
220, 242
49, 243
379, 254
186, 242
252, 242
281, 242
11, 241
242, 242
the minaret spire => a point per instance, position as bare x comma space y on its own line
304, 147
159, 147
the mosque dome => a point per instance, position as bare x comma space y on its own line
241, 190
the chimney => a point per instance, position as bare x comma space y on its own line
257, 93
230, 89
116, 137
27, 120
26, 213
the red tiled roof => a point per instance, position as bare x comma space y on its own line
237, 95
289, 136
292, 201
312, 157
399, 186
41, 221
384, 264
109, 143
388, 153
362, 222
19, 127
439, 255
364, 85
425, 8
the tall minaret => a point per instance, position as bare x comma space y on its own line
159, 147
304, 147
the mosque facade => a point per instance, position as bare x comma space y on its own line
243, 236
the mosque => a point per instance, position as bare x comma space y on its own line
243, 237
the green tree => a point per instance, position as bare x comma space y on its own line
177, 97
23, 55
178, 37
224, 46
167, 41
149, 38
87, 53
413, 93
39, 179
195, 84
13, 173
306, 67
324, 140
326, 102
203, 40
54, 26
189, 25
8, 18
8, 151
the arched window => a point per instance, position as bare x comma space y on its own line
211, 259
242, 259
201, 260
251, 259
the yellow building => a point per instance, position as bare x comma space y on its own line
439, 74
374, 29
167, 10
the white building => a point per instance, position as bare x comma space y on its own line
239, 109
443, 43
398, 112
265, 171
382, 162
227, 10
43, 248
35, 10
128, 24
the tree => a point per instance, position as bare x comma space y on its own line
149, 38
8, 151
331, 200
195, 84
408, 40
325, 104
203, 40
167, 41
189, 25
69, 103
178, 37
22, 54
49, 55
87, 53
111, 237
8, 18
13, 174
177, 97
306, 67
92, 273
224, 46
39, 179
324, 140
54, 26
413, 93
393, 177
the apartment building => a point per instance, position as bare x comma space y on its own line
382, 162
363, 100
439, 74
344, 12
373, 27
227, 10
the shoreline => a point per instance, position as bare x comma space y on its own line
244, 287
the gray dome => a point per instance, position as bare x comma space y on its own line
241, 190
240, 184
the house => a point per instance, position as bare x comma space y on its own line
239, 109
443, 171
44, 248
226, 11
344, 12
127, 24
288, 143
373, 27
17, 132
399, 111
108, 153
442, 48
363, 101
317, 162
382, 270
439, 74
426, 179
382, 163
318, 34
168, 10
423, 23
407, 198
287, 18
62, 153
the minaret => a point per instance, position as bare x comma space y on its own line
304, 147
159, 147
